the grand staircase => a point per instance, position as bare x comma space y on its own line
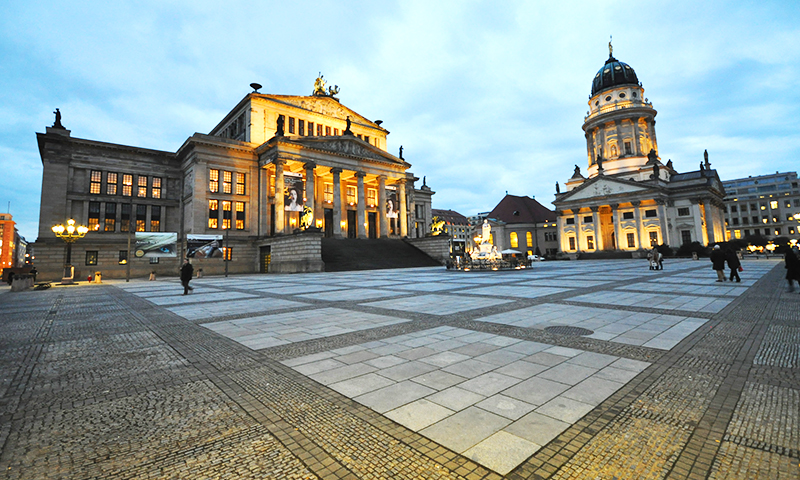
343, 254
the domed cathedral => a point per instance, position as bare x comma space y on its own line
629, 200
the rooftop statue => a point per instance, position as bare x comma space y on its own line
319, 85
57, 123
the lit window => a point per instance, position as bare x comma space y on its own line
227, 253
91, 257
213, 181
94, 216
653, 239
773, 204
336, 132
156, 190
226, 214
366, 138
123, 257
96, 180
155, 218
352, 197
590, 242
529, 239
111, 217
141, 217
631, 240
513, 239
240, 184
328, 194
226, 182
240, 216
310, 129
213, 213
328, 131
127, 185
319, 130
372, 197
142, 192
111, 183
737, 234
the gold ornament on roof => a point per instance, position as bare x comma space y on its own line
610, 48
319, 88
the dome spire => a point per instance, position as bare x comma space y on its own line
610, 48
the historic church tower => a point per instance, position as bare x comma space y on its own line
620, 126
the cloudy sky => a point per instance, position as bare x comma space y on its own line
485, 97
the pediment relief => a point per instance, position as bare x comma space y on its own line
325, 106
350, 148
602, 188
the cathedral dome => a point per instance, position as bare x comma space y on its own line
614, 73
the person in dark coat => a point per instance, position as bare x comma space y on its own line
718, 262
792, 267
733, 264
186, 274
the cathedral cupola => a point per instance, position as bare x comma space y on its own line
620, 123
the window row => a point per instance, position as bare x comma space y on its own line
116, 184
227, 214
306, 128
114, 214
227, 181
746, 220
773, 204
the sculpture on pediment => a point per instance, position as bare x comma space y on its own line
347, 130
577, 172
57, 123
401, 153
656, 171
333, 90
600, 162
705, 158
558, 188
319, 85
279, 132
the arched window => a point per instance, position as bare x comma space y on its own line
514, 240
529, 238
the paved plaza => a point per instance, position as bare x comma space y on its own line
590, 369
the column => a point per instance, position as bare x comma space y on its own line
577, 217
310, 197
620, 143
709, 221
598, 234
402, 216
637, 216
280, 222
589, 149
562, 237
653, 141
337, 202
637, 148
263, 201
662, 220
615, 219
698, 221
361, 206
384, 230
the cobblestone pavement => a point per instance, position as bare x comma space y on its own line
596, 370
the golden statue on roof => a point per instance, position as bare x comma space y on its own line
319, 88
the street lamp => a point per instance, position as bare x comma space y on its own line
69, 234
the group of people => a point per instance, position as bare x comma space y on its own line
656, 259
720, 258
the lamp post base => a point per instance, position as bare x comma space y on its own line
69, 275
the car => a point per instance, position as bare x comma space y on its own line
535, 258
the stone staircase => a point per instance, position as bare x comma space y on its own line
344, 254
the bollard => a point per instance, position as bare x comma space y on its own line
98, 277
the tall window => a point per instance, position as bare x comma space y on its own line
590, 242
127, 185
653, 239
155, 218
301, 127
291, 124
227, 253
226, 214
529, 238
372, 198
240, 215
631, 240
310, 129
352, 197
328, 131
240, 184
111, 217
213, 181
125, 218
328, 194
628, 148
96, 181
319, 130
513, 239
686, 237
156, 190
141, 217
683, 211
213, 213
94, 216
571, 243
111, 183
226, 182
142, 184
650, 214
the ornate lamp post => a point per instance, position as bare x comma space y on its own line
69, 234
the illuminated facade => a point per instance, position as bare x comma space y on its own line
276, 165
521, 223
8, 244
764, 205
629, 200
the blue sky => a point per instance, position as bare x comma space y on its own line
483, 99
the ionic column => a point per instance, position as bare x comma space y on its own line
637, 149
382, 207
402, 216
709, 221
280, 222
310, 197
697, 214
662, 220
577, 217
562, 237
361, 206
598, 236
637, 216
615, 220
337, 202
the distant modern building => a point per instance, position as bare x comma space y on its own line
456, 227
523, 224
275, 173
12, 245
764, 205
629, 200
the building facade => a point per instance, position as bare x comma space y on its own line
521, 223
276, 165
764, 205
629, 200
456, 227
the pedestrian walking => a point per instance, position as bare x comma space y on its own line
34, 272
734, 264
186, 275
792, 266
718, 262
